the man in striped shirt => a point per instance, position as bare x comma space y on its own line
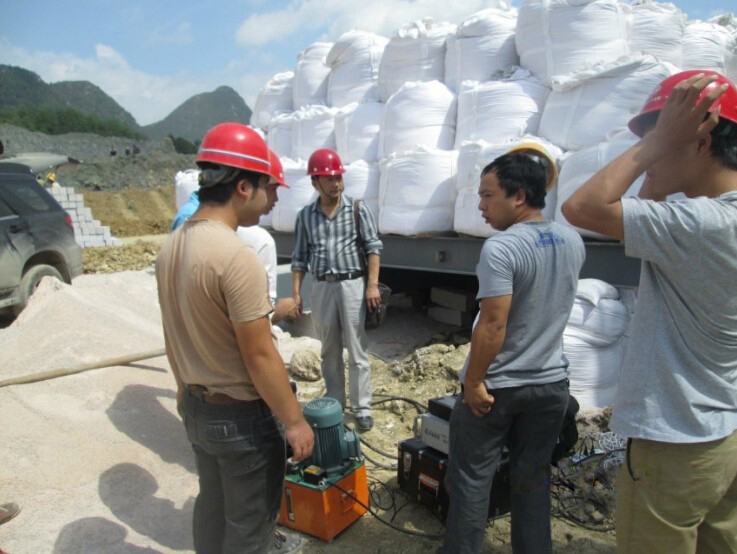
346, 280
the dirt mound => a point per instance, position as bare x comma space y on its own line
133, 212
111, 259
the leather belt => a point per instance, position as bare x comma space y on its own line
200, 392
332, 277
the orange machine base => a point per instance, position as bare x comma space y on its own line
324, 513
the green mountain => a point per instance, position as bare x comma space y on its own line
21, 87
87, 98
195, 116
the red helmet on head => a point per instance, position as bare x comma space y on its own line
656, 101
325, 162
276, 171
235, 145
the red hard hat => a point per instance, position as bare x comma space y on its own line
235, 145
276, 171
325, 162
656, 101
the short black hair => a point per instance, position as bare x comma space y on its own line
724, 143
227, 180
520, 170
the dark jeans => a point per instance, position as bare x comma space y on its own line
528, 420
241, 460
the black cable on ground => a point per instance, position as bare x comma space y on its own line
389, 397
389, 523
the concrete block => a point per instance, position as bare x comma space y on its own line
449, 316
454, 298
400, 300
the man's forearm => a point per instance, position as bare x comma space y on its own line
374, 261
269, 376
486, 343
297, 278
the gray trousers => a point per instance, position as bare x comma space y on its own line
241, 462
339, 314
528, 419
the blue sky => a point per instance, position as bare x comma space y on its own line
151, 55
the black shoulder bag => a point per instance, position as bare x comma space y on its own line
375, 318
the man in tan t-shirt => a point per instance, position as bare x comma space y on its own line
215, 303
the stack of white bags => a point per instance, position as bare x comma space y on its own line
568, 76
594, 342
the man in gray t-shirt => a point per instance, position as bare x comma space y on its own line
677, 398
515, 389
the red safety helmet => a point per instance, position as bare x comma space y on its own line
276, 171
235, 145
656, 101
325, 162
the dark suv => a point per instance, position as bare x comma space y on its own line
36, 237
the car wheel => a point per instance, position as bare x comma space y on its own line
30, 281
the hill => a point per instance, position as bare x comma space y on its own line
21, 87
195, 116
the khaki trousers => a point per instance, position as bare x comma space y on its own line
678, 498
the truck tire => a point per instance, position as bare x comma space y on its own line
30, 281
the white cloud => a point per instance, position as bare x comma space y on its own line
339, 16
149, 98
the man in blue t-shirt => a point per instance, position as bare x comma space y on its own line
677, 398
515, 386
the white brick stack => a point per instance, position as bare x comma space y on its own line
87, 231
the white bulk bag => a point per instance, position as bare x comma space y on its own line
657, 29
361, 180
311, 76
185, 183
593, 372
354, 68
582, 109
357, 131
711, 45
279, 135
482, 45
560, 37
274, 98
293, 198
579, 167
415, 53
596, 290
314, 128
417, 192
500, 110
419, 113
473, 157
599, 324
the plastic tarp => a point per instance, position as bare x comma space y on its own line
482, 45
582, 109
419, 113
657, 29
279, 135
185, 183
274, 98
293, 198
357, 131
415, 53
561, 37
354, 68
500, 110
311, 76
712, 45
361, 180
417, 192
314, 128
579, 167
473, 157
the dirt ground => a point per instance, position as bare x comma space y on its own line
132, 212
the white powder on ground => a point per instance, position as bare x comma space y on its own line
98, 317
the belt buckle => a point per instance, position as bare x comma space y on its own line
331, 277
